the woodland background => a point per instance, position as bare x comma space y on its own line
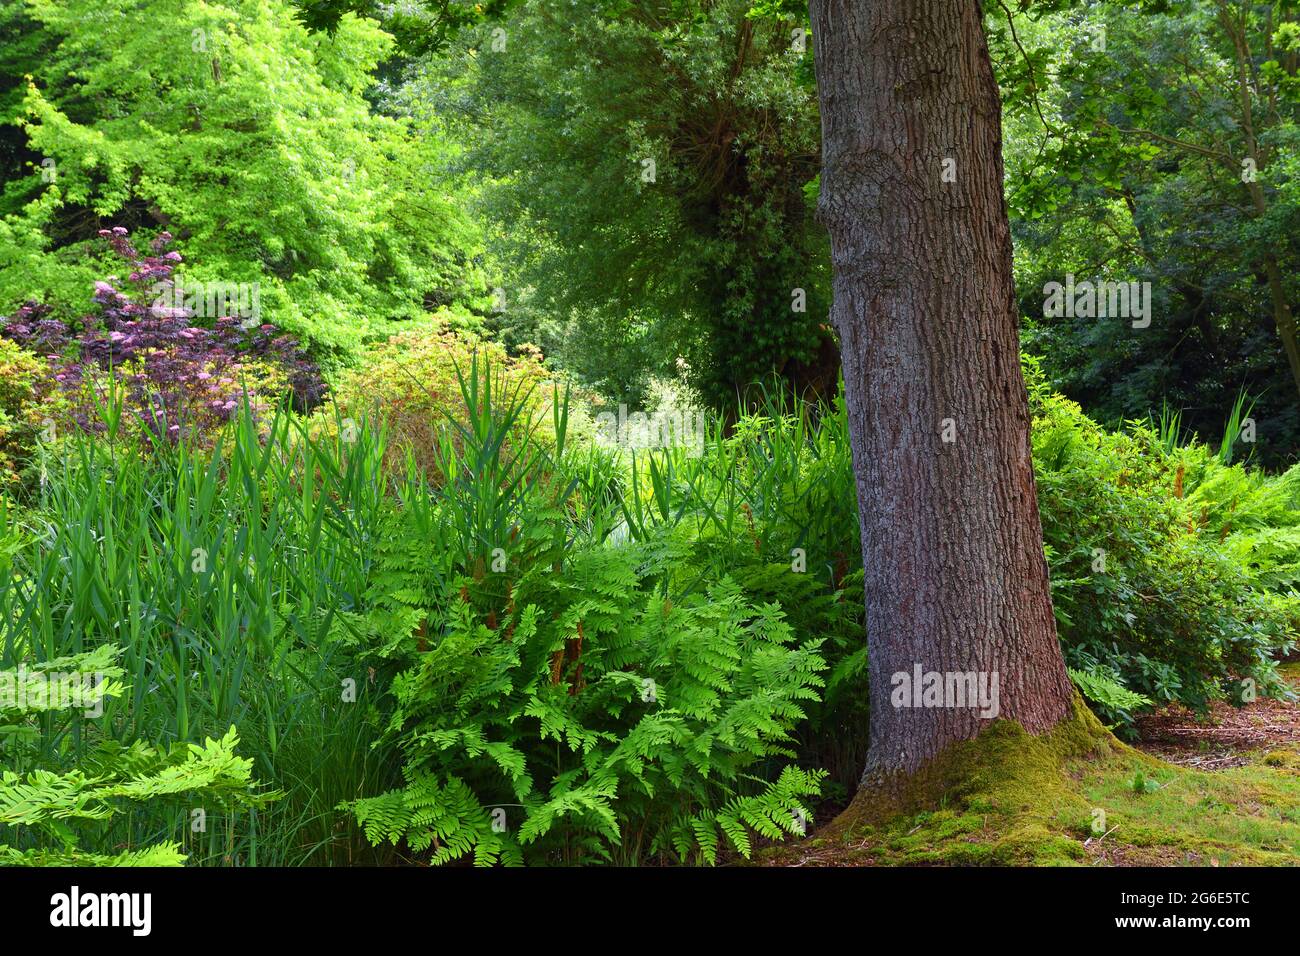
365, 579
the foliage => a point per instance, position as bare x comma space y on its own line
1156, 143
568, 730
475, 632
252, 141
621, 269
451, 619
1145, 583
1106, 694
418, 28
217, 572
562, 700
412, 382
139, 355
772, 504
1174, 574
40, 810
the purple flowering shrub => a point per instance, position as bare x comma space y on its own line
176, 373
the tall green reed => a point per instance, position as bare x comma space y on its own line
219, 574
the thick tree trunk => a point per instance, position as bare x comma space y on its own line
956, 578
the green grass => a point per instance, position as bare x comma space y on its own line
1243, 815
217, 575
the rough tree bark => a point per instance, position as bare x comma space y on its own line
956, 578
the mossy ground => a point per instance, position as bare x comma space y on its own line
1074, 797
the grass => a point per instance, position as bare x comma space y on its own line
219, 576
1246, 815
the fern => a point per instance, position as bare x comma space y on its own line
1100, 688
570, 699
55, 808
1115, 702
587, 712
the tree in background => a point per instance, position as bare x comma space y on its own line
246, 136
651, 166
1157, 142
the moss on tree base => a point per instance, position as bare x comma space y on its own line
1073, 796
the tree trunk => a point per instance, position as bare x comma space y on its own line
1282, 316
956, 577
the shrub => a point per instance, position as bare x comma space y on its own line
1256, 516
562, 698
413, 382
1173, 574
174, 376
773, 505
1144, 586
21, 378
556, 653
264, 154
597, 715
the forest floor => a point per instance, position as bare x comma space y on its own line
1221, 791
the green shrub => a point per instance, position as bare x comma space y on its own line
598, 718
549, 651
773, 504
255, 142
560, 699
1144, 584
21, 375
412, 382
1196, 561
